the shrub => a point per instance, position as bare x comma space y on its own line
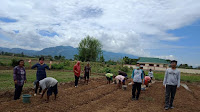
107, 70
2, 64
58, 66
14, 62
124, 69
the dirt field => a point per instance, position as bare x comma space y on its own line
100, 97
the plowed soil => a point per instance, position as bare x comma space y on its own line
101, 97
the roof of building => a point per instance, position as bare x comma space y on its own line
152, 60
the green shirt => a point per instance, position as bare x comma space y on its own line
109, 75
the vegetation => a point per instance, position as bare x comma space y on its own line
89, 49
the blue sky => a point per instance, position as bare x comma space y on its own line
147, 28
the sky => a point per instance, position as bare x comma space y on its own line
168, 29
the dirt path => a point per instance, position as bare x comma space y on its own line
100, 97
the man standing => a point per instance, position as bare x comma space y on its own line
77, 72
171, 82
87, 73
137, 79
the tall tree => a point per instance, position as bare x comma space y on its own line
89, 49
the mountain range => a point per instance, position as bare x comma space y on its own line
66, 51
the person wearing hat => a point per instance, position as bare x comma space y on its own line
171, 82
137, 79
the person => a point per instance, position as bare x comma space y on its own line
150, 74
19, 76
77, 72
147, 80
137, 79
87, 73
41, 73
141, 67
48, 84
120, 79
123, 74
109, 77
171, 82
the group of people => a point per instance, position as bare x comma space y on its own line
49, 84
42, 82
138, 77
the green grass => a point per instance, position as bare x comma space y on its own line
6, 78
184, 77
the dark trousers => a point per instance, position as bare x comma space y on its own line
170, 92
40, 90
135, 86
76, 80
18, 91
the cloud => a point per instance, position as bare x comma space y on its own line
127, 26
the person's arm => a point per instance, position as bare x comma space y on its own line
142, 76
90, 71
43, 92
179, 79
74, 69
132, 76
50, 63
15, 75
32, 67
25, 76
165, 78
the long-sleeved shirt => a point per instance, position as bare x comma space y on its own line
137, 75
150, 74
19, 75
77, 68
41, 72
47, 83
172, 77
120, 77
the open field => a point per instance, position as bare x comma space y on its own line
101, 97
6, 78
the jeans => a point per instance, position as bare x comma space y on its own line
135, 86
170, 92
76, 80
18, 91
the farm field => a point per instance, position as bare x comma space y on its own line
101, 97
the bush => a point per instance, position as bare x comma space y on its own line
67, 63
107, 70
58, 66
2, 64
131, 68
14, 62
124, 69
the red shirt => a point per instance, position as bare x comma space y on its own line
77, 67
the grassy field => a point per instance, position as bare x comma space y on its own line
184, 77
6, 78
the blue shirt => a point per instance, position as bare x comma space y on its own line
41, 73
137, 75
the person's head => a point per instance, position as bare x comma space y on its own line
173, 63
41, 60
21, 63
141, 67
78, 63
88, 64
138, 66
150, 70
